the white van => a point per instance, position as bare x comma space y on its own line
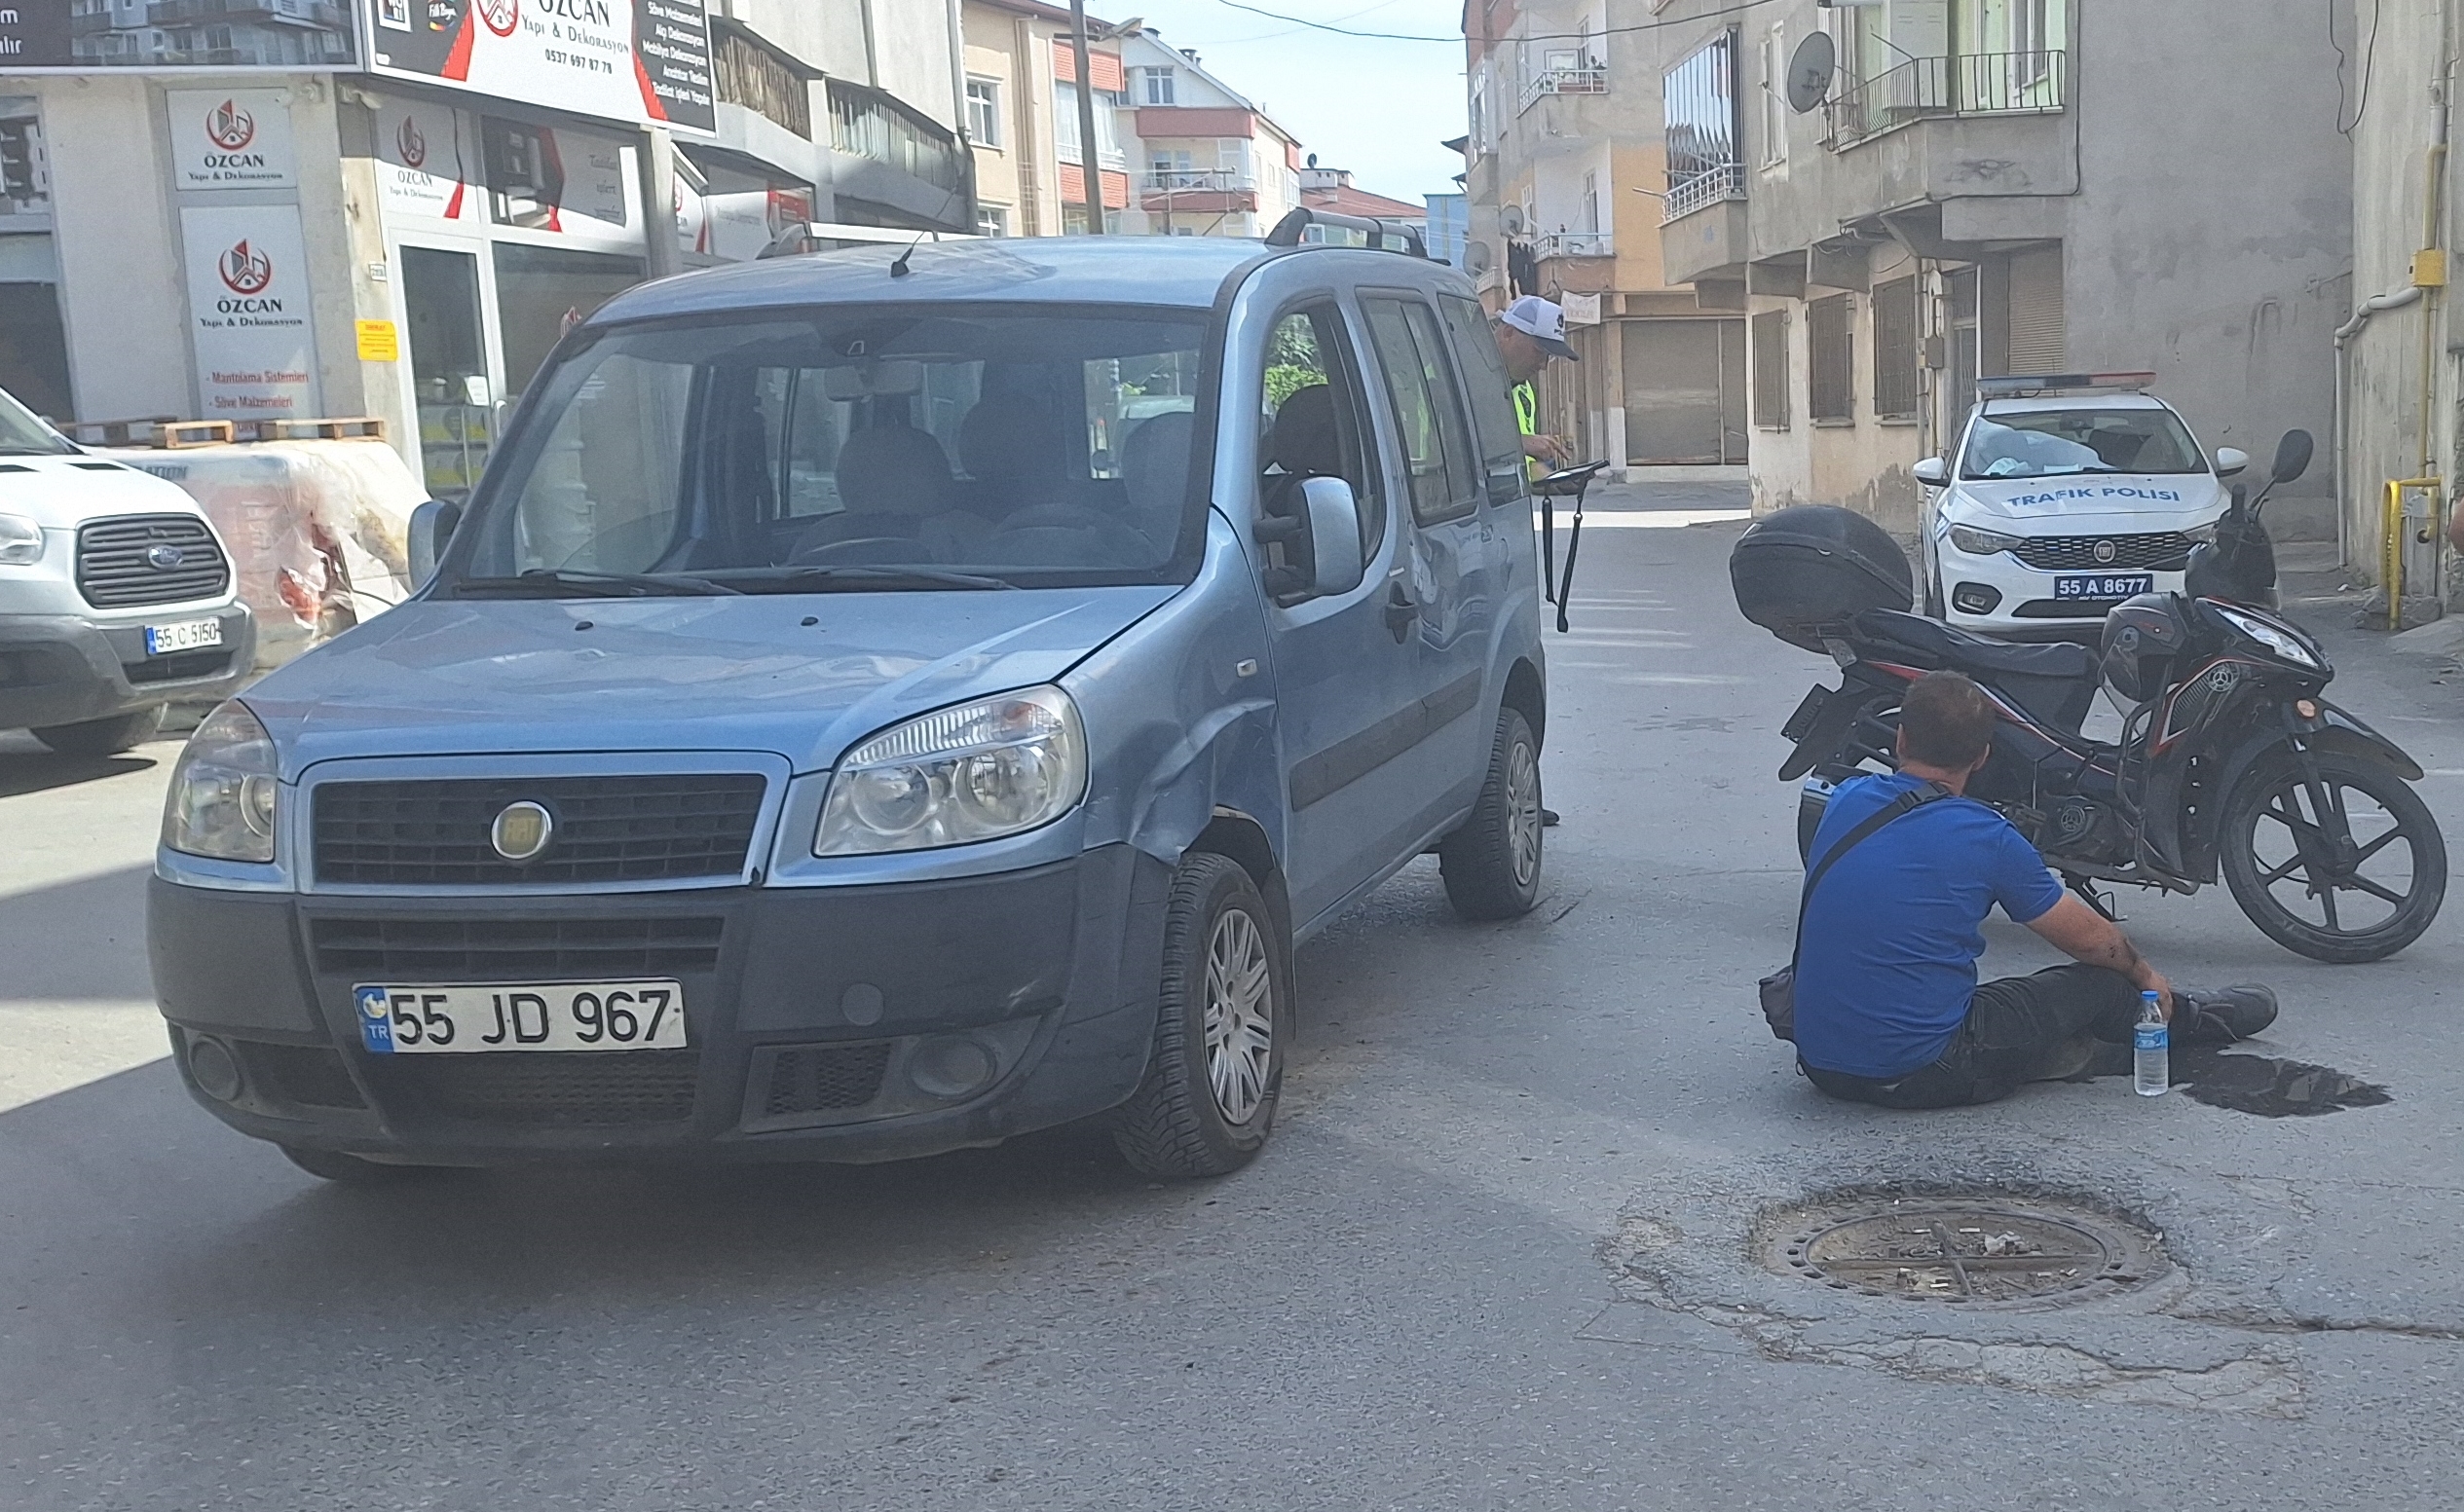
116, 596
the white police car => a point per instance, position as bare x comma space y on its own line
2064, 495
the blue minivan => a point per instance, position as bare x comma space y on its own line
876, 702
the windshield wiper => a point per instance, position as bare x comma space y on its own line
853, 578
551, 581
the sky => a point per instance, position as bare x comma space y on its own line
1379, 108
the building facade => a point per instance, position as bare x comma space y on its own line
1566, 159
402, 220
2398, 352
1981, 187
1210, 162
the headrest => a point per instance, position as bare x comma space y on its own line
1304, 440
1155, 460
1009, 436
893, 470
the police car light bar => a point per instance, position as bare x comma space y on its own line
2022, 386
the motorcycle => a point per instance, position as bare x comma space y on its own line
2231, 759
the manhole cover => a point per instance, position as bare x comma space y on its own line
1968, 1251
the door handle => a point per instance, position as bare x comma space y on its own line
1401, 610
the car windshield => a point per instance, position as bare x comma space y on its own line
21, 434
945, 448
2051, 443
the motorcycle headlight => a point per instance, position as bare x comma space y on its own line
976, 771
221, 802
20, 540
2276, 639
1981, 543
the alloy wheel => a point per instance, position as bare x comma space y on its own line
1522, 811
1240, 1024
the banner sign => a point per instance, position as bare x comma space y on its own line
231, 138
36, 36
645, 62
427, 159
248, 311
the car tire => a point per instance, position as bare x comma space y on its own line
1491, 864
1936, 606
104, 737
349, 1170
1217, 1067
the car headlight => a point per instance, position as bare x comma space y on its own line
1981, 543
221, 802
2201, 535
20, 540
2275, 638
976, 771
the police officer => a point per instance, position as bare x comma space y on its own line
1529, 332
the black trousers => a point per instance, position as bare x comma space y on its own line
2018, 1030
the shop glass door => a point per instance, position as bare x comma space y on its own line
454, 388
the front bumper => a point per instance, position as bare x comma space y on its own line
807, 1007
2024, 605
63, 668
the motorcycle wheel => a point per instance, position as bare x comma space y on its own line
2365, 904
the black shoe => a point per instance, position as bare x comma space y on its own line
2221, 1016
1548, 819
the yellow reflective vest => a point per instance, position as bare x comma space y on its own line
1527, 421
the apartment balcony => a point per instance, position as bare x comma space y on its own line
1921, 89
1702, 230
1197, 191
1563, 81
1576, 262
1701, 189
1572, 244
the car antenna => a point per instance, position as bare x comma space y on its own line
899, 268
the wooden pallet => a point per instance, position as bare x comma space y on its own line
174, 434
116, 432
356, 428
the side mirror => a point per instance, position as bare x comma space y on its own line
2230, 460
2293, 457
1334, 535
432, 527
1932, 471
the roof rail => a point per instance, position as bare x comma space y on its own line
2032, 385
1294, 229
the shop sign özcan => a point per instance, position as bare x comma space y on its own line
427, 160
248, 310
644, 61
232, 139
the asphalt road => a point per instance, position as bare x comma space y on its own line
1496, 1257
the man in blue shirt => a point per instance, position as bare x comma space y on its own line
1888, 1009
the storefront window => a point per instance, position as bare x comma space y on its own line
449, 367
543, 292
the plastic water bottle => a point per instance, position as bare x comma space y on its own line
2151, 1050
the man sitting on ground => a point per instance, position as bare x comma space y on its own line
1888, 1009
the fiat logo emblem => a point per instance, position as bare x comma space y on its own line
522, 830
2103, 551
164, 558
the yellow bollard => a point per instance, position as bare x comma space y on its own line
2391, 566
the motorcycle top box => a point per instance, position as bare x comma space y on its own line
1804, 570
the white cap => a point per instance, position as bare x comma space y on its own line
1542, 322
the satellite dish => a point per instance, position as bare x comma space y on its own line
1511, 217
1810, 70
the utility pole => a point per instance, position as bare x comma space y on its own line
1090, 168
